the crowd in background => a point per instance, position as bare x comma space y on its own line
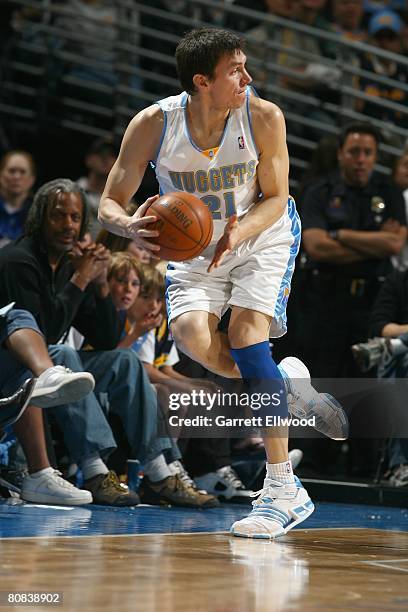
350, 284
84, 58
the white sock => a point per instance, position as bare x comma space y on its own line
282, 472
93, 466
157, 469
48, 470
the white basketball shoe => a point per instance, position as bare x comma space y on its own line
59, 385
279, 508
305, 402
50, 488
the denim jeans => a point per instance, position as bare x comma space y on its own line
398, 368
12, 372
120, 375
398, 452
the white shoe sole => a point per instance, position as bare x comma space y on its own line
298, 517
66, 392
34, 498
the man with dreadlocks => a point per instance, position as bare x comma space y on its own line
62, 284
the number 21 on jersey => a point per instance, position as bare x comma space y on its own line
216, 204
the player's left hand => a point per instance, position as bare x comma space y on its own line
226, 243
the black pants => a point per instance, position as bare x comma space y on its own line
331, 318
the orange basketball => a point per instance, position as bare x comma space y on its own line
185, 225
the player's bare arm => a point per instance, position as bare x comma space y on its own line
273, 177
139, 146
273, 168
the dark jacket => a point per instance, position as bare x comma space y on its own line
391, 305
57, 304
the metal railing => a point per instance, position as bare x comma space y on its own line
80, 79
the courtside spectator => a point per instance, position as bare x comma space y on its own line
24, 353
128, 279
39, 276
389, 321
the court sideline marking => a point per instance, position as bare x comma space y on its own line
186, 533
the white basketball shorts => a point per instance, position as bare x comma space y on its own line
256, 275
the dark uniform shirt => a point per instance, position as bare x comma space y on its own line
331, 204
28, 280
391, 305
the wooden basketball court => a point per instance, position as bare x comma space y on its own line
152, 559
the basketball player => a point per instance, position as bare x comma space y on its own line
228, 147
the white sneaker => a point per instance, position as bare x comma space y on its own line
295, 457
279, 508
59, 385
50, 488
305, 402
224, 484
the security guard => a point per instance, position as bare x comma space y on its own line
353, 221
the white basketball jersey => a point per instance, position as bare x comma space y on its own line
224, 177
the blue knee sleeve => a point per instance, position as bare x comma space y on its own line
258, 368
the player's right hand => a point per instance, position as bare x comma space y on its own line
137, 227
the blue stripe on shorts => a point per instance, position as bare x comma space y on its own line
284, 289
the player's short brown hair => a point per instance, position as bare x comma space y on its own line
200, 51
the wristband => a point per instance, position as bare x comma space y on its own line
334, 235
